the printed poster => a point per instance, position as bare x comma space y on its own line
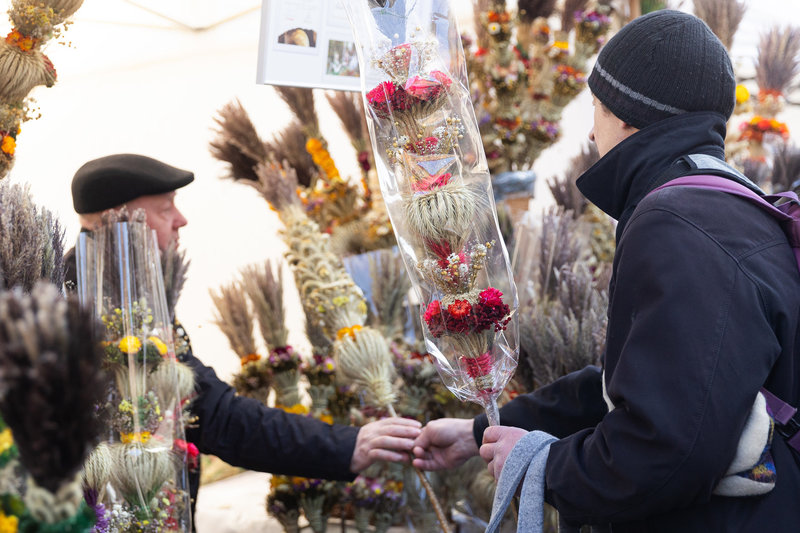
307, 43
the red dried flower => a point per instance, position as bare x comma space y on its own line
442, 78
441, 249
381, 98
491, 297
424, 147
459, 309
432, 183
434, 310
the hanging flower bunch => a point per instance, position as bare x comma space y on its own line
371, 498
322, 158
24, 66
568, 81
591, 28
756, 128
320, 371
522, 68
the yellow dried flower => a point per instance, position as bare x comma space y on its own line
8, 524
339, 301
130, 345
742, 94
298, 409
6, 440
159, 344
127, 438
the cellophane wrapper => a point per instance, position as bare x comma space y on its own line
436, 184
120, 279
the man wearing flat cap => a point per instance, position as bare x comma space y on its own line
241, 431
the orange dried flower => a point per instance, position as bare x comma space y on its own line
9, 145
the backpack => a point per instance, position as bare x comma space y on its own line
788, 215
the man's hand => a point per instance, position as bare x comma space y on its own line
445, 443
498, 441
389, 439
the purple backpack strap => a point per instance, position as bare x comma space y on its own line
788, 214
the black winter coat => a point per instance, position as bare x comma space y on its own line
245, 433
704, 309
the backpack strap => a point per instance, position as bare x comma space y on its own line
788, 215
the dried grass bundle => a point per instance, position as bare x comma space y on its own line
446, 214
174, 265
290, 145
50, 381
277, 183
778, 63
171, 381
564, 190
349, 107
234, 318
562, 309
568, 13
786, 168
97, 470
563, 334
479, 7
390, 285
301, 102
31, 240
529, 10
265, 290
722, 16
140, 471
758, 171
363, 359
237, 143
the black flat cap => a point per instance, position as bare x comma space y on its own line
113, 180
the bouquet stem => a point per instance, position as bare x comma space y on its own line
492, 412
437, 506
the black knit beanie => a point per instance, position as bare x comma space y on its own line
663, 64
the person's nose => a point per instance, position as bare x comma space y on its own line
179, 221
591, 134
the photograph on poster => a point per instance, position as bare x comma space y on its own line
342, 59
297, 24
307, 43
299, 37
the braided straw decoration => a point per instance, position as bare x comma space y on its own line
363, 358
49, 507
443, 215
21, 71
64, 8
97, 469
141, 470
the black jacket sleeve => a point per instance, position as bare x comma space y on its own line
245, 433
567, 405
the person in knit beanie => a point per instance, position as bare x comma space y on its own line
663, 64
672, 433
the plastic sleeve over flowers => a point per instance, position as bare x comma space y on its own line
436, 184
137, 479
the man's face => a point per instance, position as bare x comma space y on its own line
608, 130
162, 216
